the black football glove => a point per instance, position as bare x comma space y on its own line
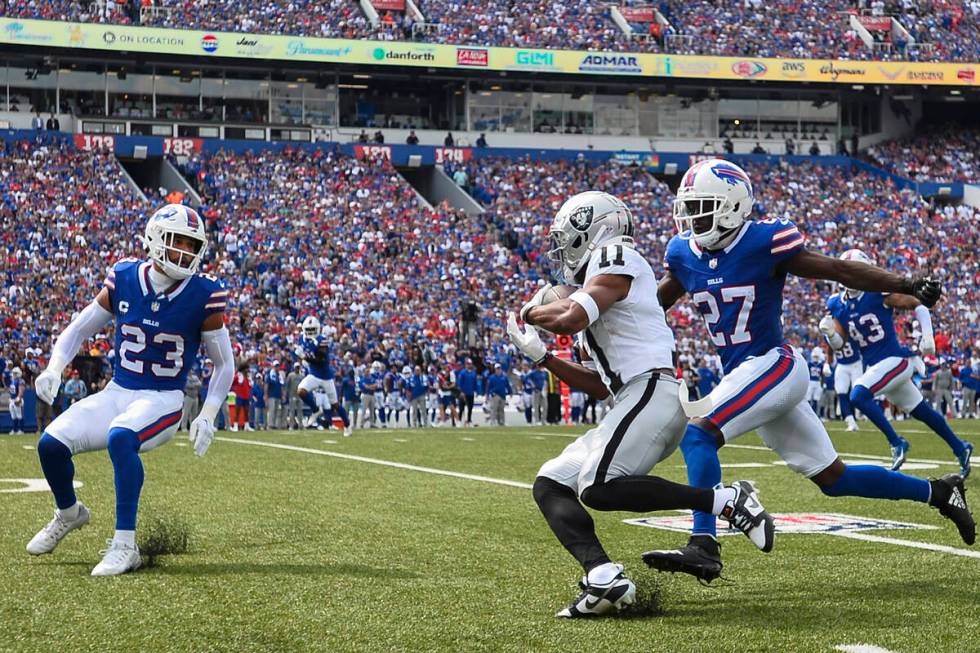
926, 290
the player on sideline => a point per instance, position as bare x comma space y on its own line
163, 311
734, 271
625, 333
867, 318
315, 349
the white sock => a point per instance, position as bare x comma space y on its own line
69, 514
722, 496
125, 537
604, 573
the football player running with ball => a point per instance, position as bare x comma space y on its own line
867, 318
734, 270
628, 348
163, 311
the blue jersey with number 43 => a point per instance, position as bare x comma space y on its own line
869, 324
737, 289
158, 334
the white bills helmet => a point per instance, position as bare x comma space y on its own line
311, 327
163, 228
715, 197
582, 224
855, 255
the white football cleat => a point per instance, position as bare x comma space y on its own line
233, 428
311, 420
248, 427
118, 559
747, 515
852, 424
348, 431
597, 600
48, 537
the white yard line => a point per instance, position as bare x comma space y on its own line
939, 548
861, 648
376, 461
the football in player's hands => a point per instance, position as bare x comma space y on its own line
555, 293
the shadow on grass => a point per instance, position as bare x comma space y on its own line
237, 568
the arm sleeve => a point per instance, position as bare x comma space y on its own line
922, 315
85, 325
218, 345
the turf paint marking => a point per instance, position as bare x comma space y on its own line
468, 439
329, 442
861, 648
31, 485
527, 486
376, 461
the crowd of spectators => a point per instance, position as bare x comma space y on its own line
310, 231
77, 11
940, 30
944, 154
332, 19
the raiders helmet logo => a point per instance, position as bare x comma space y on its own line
581, 218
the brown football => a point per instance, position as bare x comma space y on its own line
556, 293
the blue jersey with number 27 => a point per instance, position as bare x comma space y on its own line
737, 289
869, 324
158, 334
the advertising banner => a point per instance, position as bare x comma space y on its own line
388, 5
204, 45
637, 14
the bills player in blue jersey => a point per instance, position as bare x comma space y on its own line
867, 319
815, 371
734, 270
848, 369
315, 349
164, 310
15, 390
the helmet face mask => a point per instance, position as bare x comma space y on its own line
170, 237
714, 198
311, 327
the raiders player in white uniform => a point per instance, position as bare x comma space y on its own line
628, 348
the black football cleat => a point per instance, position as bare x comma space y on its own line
701, 558
949, 498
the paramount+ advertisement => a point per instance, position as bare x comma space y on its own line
205, 44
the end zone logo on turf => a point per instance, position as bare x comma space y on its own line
610, 63
749, 69
472, 57
209, 43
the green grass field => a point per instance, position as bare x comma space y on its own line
294, 551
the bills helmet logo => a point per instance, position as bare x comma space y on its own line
730, 174
192, 219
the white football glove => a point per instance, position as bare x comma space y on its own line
826, 326
201, 434
528, 341
927, 345
536, 300
46, 385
